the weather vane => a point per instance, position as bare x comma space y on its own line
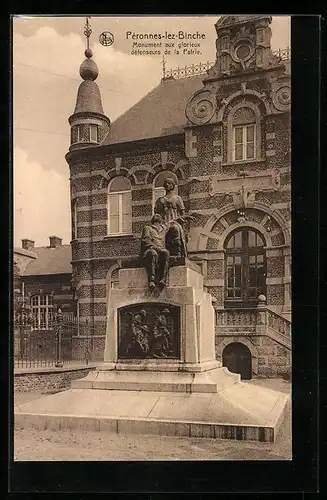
87, 31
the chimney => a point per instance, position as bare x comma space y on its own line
27, 244
55, 241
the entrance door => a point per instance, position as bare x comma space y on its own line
237, 358
245, 277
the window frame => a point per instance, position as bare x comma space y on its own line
94, 126
229, 154
244, 142
120, 194
38, 308
244, 251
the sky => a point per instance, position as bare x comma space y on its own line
47, 53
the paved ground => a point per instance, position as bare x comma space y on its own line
91, 446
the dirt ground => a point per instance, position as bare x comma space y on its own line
65, 445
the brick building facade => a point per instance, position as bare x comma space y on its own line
224, 137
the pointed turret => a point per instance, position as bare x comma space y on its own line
89, 125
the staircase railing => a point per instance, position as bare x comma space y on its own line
258, 321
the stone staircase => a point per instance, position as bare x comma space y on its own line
254, 322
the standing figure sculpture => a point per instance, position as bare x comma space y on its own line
154, 252
172, 209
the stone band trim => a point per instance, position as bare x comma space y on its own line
90, 282
278, 281
96, 319
99, 222
94, 300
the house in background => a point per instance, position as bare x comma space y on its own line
44, 277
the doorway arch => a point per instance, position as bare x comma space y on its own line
238, 359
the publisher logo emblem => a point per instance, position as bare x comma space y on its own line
106, 38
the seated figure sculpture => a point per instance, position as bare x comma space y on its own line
154, 252
171, 208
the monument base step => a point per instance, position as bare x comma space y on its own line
137, 379
242, 411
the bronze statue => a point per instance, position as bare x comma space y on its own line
154, 252
164, 237
171, 208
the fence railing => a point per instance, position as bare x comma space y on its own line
202, 68
59, 346
259, 321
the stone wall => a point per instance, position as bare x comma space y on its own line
47, 380
269, 359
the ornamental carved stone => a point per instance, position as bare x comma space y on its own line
201, 107
281, 94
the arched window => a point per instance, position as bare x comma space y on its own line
42, 311
119, 206
244, 133
245, 268
158, 189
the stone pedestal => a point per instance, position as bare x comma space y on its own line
191, 366
179, 391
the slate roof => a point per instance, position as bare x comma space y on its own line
50, 261
160, 113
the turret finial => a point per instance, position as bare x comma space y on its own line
88, 69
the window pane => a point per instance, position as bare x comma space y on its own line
126, 203
127, 224
42, 319
238, 151
237, 259
250, 150
230, 260
252, 239
238, 135
238, 239
231, 243
114, 204
251, 259
114, 224
259, 241
94, 133
237, 293
80, 132
230, 294
238, 277
119, 183
253, 276
260, 259
250, 133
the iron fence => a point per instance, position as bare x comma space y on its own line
58, 346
